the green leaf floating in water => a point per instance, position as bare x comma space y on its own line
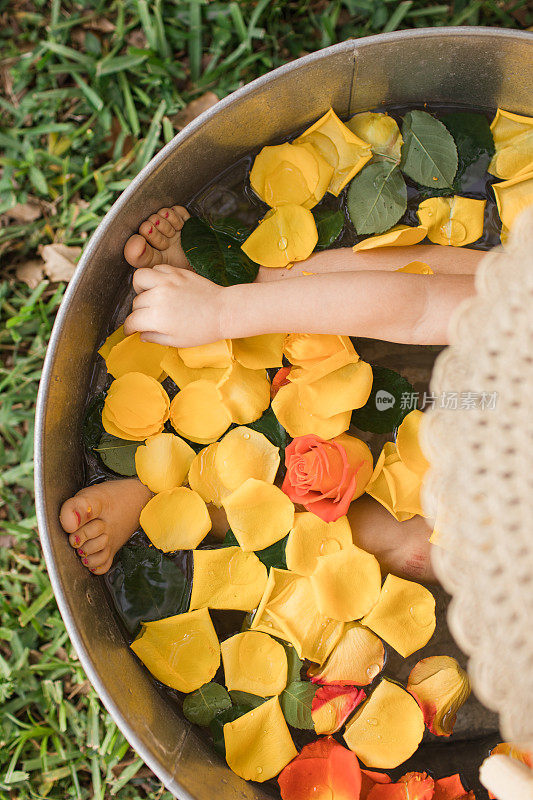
475, 148
377, 198
217, 725
296, 703
92, 422
329, 224
202, 706
246, 699
117, 454
232, 227
215, 255
429, 154
386, 415
274, 555
146, 585
269, 426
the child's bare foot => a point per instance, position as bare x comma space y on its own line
158, 240
101, 518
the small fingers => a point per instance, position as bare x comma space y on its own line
158, 338
142, 319
145, 279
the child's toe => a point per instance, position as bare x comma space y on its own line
153, 235
96, 559
77, 511
182, 215
92, 546
162, 225
138, 253
171, 217
91, 530
103, 568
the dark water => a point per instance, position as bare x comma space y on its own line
229, 194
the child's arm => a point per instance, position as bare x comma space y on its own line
177, 307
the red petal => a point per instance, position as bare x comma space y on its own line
369, 779
322, 764
280, 379
449, 788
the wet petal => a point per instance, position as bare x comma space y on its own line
132, 355
343, 390
332, 705
369, 779
387, 729
404, 615
113, 339
245, 393
325, 173
284, 173
136, 407
513, 196
341, 148
254, 662
513, 140
360, 460
163, 461
198, 412
399, 236
323, 769
300, 420
416, 268
204, 477
258, 744
214, 356
175, 368
450, 789
412, 786
176, 519
440, 687
285, 235
259, 514
227, 578
380, 131
260, 352
408, 443
311, 537
244, 453
347, 584
181, 651
452, 220
395, 486
281, 378
357, 659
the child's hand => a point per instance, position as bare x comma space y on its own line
175, 307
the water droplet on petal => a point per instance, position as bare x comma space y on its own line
282, 243
329, 546
372, 671
372, 721
259, 770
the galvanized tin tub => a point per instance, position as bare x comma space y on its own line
481, 67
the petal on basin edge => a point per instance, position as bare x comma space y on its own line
399, 236
244, 453
216, 355
347, 584
227, 578
176, 519
163, 461
198, 412
311, 537
259, 514
113, 339
131, 355
181, 651
357, 658
513, 141
260, 352
254, 662
285, 235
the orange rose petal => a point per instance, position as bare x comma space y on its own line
285, 235
181, 651
332, 705
345, 389
182, 375
416, 268
408, 443
227, 578
214, 356
323, 769
113, 339
387, 729
198, 412
163, 461
514, 751
357, 658
404, 615
399, 236
347, 584
281, 378
311, 537
204, 477
176, 519
369, 779
413, 786
132, 355
260, 352
245, 393
259, 514
244, 453
300, 420
258, 744
136, 407
450, 789
254, 662
440, 687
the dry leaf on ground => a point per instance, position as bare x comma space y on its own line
23, 212
31, 273
59, 260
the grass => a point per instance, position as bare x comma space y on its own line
90, 90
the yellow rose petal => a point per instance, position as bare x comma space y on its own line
513, 140
440, 687
136, 407
341, 148
343, 390
227, 578
204, 477
181, 651
254, 662
416, 268
245, 393
311, 537
299, 419
317, 354
387, 729
260, 352
513, 197
216, 355
198, 412
182, 375
359, 458
258, 744
380, 131
288, 610
399, 236
163, 461
244, 453
286, 235
452, 220
408, 443
259, 514
404, 615
347, 584
132, 355
110, 427
356, 659
325, 173
284, 173
176, 519
113, 339
395, 486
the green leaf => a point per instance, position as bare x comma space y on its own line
377, 198
92, 422
230, 540
329, 224
246, 699
215, 255
233, 227
383, 411
146, 585
202, 706
429, 154
296, 703
475, 148
117, 454
217, 725
274, 555
294, 664
269, 426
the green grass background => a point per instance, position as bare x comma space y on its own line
89, 91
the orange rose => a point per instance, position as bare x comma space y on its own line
325, 476
323, 768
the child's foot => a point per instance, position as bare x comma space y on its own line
101, 518
158, 240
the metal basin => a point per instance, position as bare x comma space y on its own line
463, 66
